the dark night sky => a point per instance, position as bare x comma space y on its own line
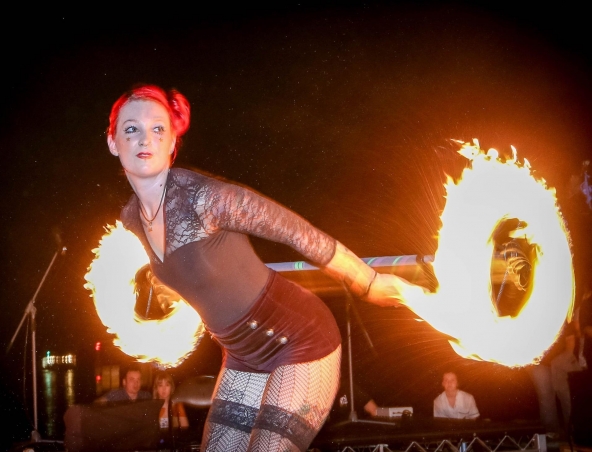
341, 113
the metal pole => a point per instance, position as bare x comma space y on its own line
353, 416
34, 362
31, 311
509, 266
414, 268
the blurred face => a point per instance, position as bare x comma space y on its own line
450, 383
132, 383
163, 389
144, 139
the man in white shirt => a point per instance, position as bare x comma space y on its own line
454, 403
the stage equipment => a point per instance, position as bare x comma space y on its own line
115, 426
432, 435
535, 444
349, 308
30, 312
394, 411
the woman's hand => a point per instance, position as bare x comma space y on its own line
164, 294
391, 290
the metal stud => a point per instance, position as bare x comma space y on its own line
253, 324
283, 340
269, 332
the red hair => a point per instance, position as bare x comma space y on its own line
175, 103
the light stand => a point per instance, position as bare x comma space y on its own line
349, 308
30, 311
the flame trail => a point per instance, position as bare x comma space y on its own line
488, 193
167, 341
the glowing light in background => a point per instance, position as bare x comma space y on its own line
489, 192
167, 341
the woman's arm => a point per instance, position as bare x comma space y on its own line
181, 415
362, 280
235, 208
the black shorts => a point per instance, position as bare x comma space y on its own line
287, 324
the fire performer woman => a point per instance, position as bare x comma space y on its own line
282, 347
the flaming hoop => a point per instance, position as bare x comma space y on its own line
490, 194
167, 341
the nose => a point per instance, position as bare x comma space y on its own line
144, 140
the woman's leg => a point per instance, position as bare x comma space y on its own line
296, 403
235, 405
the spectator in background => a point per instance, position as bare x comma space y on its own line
164, 387
454, 403
130, 390
550, 379
561, 365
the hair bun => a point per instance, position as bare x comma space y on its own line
181, 110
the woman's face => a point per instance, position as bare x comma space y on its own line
163, 389
144, 139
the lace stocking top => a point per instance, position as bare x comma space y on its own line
208, 258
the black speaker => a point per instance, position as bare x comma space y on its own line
580, 386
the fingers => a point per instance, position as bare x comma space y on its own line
391, 290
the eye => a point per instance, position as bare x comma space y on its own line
130, 129
159, 129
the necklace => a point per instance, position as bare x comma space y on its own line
149, 221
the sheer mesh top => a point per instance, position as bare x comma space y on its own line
208, 258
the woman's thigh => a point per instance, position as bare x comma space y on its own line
235, 405
296, 403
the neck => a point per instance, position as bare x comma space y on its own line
149, 190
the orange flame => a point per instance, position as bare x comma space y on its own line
489, 192
167, 341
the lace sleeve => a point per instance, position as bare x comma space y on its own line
235, 208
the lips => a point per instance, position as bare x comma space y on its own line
144, 155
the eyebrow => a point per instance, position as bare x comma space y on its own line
158, 118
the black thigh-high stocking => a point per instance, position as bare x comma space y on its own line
236, 402
281, 411
296, 403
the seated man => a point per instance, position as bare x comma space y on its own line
131, 390
454, 403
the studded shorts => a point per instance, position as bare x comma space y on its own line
286, 325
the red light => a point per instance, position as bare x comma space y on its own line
98, 346
98, 378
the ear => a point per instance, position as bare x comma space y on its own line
112, 146
173, 143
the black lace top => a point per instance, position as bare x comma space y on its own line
208, 258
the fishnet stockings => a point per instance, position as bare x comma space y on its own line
281, 411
